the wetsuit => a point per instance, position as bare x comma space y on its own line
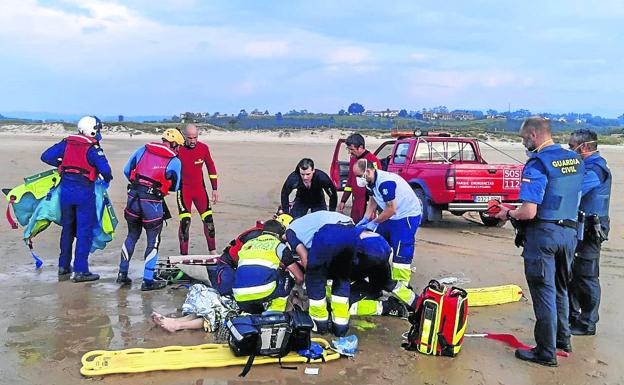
312, 198
153, 170
358, 207
193, 192
79, 159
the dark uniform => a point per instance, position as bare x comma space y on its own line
585, 285
312, 198
552, 179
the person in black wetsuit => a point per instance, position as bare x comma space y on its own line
311, 185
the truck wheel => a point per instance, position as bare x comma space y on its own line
489, 221
430, 213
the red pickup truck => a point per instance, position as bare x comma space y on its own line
446, 172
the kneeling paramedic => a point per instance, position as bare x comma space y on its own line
222, 274
326, 243
153, 171
550, 192
400, 218
262, 280
585, 284
371, 276
79, 159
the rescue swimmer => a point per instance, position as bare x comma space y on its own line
153, 171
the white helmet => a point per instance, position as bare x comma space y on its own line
89, 126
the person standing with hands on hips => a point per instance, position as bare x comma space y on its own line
550, 191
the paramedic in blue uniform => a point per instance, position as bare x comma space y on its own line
550, 194
370, 276
400, 216
585, 285
326, 244
80, 160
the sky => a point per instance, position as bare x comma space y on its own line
166, 57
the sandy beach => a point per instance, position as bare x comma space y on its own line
46, 326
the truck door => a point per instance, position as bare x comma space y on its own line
401, 156
384, 153
339, 168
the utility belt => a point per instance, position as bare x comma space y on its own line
521, 227
561, 222
153, 190
595, 230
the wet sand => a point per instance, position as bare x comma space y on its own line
46, 326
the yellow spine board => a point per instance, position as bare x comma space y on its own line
494, 295
138, 360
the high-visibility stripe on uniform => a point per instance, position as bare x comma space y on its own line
205, 214
348, 189
403, 293
252, 293
257, 262
278, 304
318, 309
401, 271
366, 307
212, 176
340, 309
184, 215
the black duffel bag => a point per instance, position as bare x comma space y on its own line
273, 335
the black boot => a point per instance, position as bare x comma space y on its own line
152, 285
64, 274
122, 278
85, 277
566, 346
395, 308
533, 356
580, 330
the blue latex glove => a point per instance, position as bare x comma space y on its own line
362, 222
372, 226
346, 346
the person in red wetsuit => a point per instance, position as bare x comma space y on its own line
194, 155
356, 147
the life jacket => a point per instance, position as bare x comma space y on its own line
75, 157
256, 275
440, 320
596, 201
564, 170
150, 171
237, 244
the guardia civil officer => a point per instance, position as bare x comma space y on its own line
585, 285
550, 194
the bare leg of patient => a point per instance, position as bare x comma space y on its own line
190, 321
